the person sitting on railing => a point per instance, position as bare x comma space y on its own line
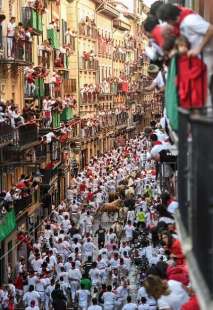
11, 27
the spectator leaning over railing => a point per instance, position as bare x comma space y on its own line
197, 31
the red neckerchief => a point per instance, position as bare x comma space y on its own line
157, 143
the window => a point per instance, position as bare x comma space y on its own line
64, 30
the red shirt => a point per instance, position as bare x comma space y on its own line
192, 304
192, 82
90, 196
82, 187
176, 250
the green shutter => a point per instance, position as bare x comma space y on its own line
67, 114
171, 96
56, 119
39, 23
33, 21
52, 35
39, 88
7, 224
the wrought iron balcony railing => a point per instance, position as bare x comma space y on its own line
15, 51
6, 134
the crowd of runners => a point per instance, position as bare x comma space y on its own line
127, 258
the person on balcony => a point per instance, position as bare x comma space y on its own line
196, 29
11, 27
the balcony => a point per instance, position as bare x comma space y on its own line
121, 25
121, 120
108, 9
36, 90
88, 32
20, 205
90, 132
53, 38
26, 135
49, 175
89, 97
119, 55
44, 59
70, 86
17, 52
7, 224
41, 152
32, 19
88, 65
6, 134
60, 61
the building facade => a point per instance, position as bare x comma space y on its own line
71, 74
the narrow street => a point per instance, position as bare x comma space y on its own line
106, 154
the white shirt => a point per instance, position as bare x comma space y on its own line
95, 307
129, 231
83, 296
194, 27
177, 297
159, 80
36, 264
109, 299
32, 308
94, 275
172, 207
29, 296
75, 274
130, 306
11, 29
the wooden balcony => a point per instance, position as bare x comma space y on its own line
70, 86
107, 8
121, 25
17, 52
